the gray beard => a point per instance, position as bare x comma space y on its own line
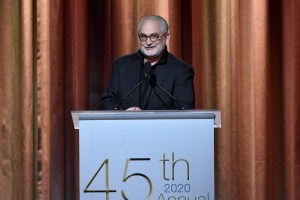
157, 54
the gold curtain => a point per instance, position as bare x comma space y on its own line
16, 101
55, 56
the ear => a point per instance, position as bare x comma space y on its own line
167, 38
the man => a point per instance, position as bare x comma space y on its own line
152, 78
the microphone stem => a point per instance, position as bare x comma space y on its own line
118, 106
172, 97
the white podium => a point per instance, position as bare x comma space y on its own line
139, 155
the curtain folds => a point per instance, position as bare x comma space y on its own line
76, 86
16, 91
291, 94
56, 57
49, 86
26, 100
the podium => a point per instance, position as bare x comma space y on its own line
141, 155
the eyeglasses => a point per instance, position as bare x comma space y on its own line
153, 37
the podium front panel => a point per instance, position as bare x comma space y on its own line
140, 159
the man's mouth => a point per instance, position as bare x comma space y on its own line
149, 48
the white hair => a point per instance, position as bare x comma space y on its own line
163, 23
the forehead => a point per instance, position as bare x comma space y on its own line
150, 26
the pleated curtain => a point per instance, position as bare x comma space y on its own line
56, 56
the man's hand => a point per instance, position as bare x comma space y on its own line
133, 109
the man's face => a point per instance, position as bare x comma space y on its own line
152, 48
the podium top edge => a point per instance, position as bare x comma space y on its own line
146, 114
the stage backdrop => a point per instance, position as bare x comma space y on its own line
56, 55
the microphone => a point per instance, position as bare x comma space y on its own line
152, 81
147, 68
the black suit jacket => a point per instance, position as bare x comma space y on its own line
171, 74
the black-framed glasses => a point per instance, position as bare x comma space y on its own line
153, 37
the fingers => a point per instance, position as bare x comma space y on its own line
133, 109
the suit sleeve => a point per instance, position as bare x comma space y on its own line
111, 97
184, 87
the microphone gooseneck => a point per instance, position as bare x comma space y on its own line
147, 68
151, 78
153, 82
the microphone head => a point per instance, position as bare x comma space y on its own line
147, 69
152, 80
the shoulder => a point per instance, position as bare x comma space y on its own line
127, 63
179, 64
128, 59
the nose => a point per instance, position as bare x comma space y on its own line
148, 41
